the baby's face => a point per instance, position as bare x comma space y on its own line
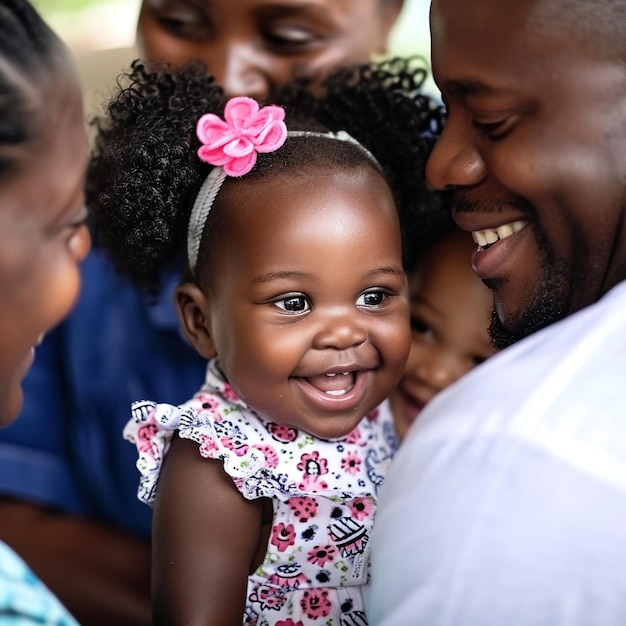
450, 311
252, 47
43, 238
307, 305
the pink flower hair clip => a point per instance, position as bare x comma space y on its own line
246, 130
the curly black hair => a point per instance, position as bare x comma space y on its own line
145, 172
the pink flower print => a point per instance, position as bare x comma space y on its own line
320, 555
288, 622
267, 597
351, 463
271, 456
207, 401
229, 393
303, 508
145, 435
236, 445
208, 447
361, 508
283, 536
315, 603
355, 438
312, 465
282, 433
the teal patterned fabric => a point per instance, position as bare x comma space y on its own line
24, 599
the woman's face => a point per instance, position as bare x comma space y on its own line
253, 47
43, 238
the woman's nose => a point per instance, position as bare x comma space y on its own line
455, 161
242, 74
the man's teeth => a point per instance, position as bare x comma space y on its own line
484, 238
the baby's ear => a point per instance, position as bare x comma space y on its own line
192, 307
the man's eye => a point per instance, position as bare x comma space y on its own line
371, 298
293, 304
493, 130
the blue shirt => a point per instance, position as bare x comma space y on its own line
66, 449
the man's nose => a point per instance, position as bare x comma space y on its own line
455, 161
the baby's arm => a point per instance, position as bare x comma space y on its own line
205, 538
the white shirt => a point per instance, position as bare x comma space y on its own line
506, 503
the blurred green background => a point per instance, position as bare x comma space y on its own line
88, 25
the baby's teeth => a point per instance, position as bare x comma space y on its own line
337, 392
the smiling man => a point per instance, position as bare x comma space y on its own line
507, 502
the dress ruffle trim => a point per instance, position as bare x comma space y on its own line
153, 426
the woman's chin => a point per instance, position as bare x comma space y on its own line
12, 395
11, 404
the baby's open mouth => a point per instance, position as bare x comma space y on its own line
333, 384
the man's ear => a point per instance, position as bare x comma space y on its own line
390, 12
192, 306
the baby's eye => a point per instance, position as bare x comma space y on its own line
371, 298
419, 326
293, 304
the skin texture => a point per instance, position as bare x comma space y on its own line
101, 573
325, 244
43, 239
253, 47
536, 136
449, 318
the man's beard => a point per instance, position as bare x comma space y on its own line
547, 303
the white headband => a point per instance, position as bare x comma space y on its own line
213, 182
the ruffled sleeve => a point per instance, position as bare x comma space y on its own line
221, 432
151, 429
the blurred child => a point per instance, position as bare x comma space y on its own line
450, 313
264, 484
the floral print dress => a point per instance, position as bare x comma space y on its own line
324, 496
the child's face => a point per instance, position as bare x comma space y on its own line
450, 310
253, 47
43, 239
307, 307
